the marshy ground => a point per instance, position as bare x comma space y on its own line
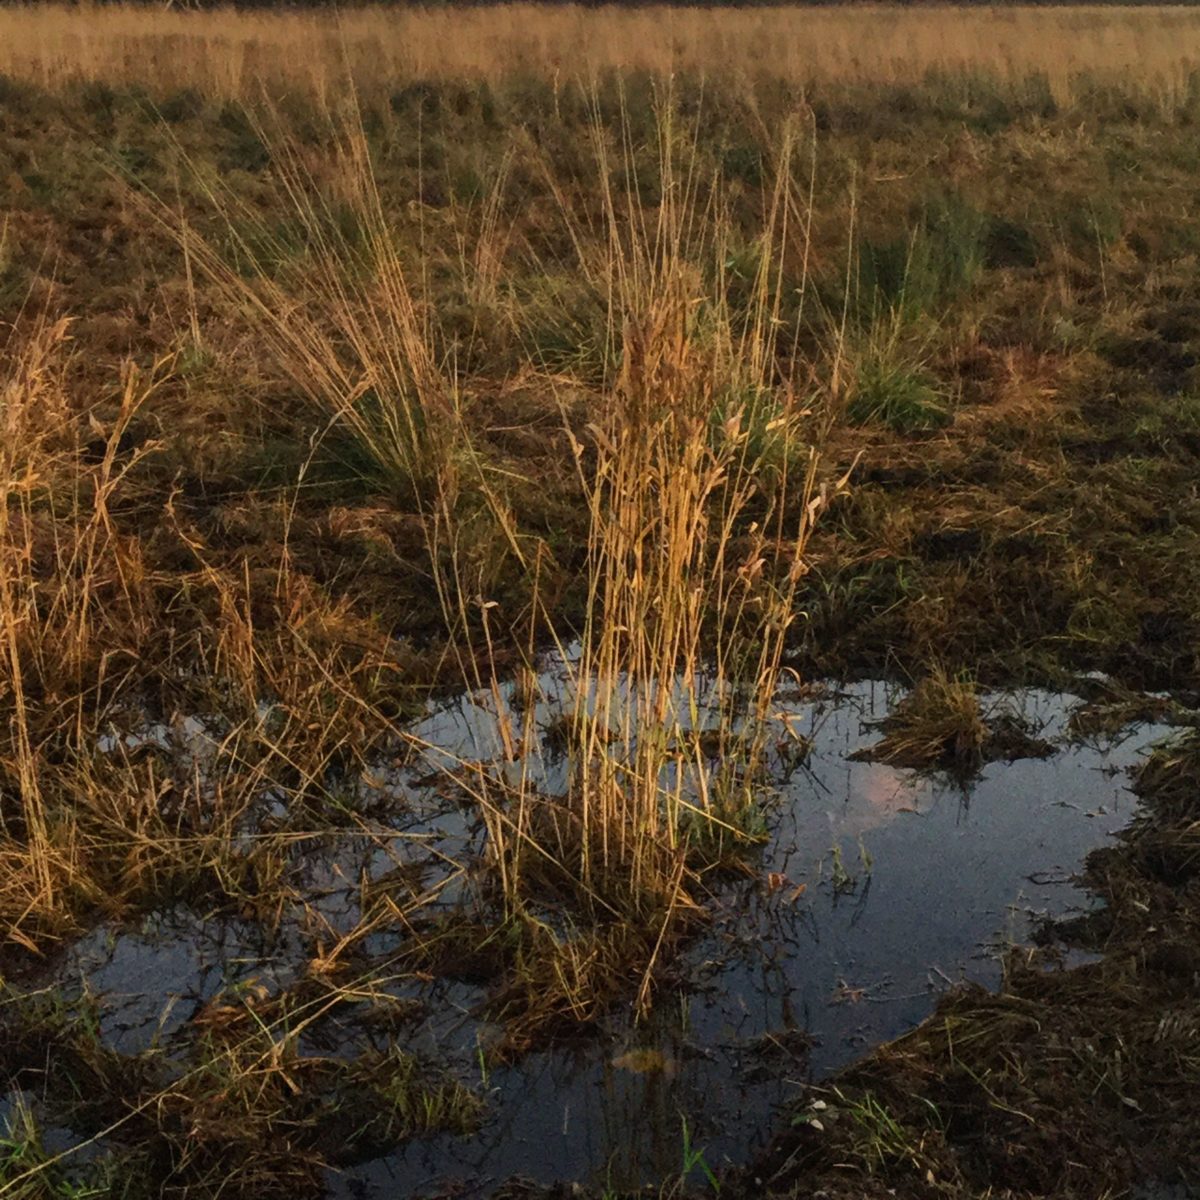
447, 530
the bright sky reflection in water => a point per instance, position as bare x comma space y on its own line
943, 876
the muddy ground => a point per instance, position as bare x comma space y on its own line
1027, 512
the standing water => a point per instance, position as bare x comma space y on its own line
878, 888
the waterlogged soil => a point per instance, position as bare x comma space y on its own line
1051, 523
876, 891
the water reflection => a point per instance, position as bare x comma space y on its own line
877, 889
789, 984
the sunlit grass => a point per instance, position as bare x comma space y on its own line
231, 53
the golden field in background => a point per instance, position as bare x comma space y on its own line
232, 52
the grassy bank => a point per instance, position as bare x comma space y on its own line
319, 406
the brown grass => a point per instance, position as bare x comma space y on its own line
697, 475
344, 323
231, 53
71, 594
938, 724
94, 642
693, 422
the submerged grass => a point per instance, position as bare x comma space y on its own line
245, 1112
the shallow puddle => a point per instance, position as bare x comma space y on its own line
878, 889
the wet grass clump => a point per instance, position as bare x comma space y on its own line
232, 1094
939, 724
942, 725
1170, 777
1168, 843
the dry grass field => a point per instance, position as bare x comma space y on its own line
234, 54
350, 361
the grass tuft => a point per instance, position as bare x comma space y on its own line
938, 724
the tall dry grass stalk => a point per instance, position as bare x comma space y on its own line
233, 53
700, 477
324, 283
692, 568
31, 407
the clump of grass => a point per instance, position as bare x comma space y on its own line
884, 377
389, 1096
29, 1170
31, 404
332, 292
902, 397
695, 551
879, 1138
1169, 779
687, 543
329, 293
95, 645
940, 723
918, 275
561, 976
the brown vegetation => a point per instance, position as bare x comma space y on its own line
314, 405
234, 54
